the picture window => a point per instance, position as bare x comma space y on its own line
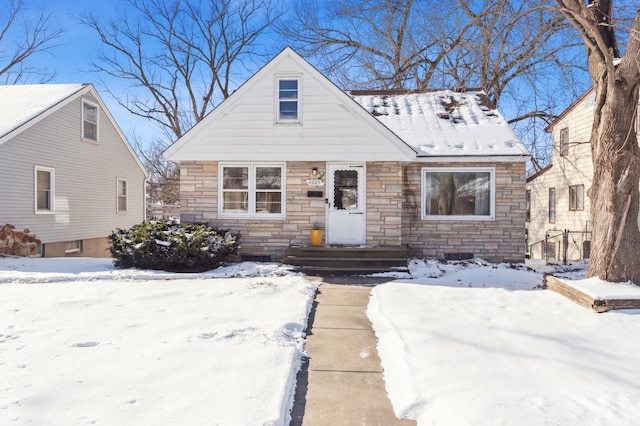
458, 193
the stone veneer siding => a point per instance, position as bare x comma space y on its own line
268, 238
384, 204
393, 212
500, 240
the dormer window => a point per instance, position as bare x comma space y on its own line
89, 121
288, 105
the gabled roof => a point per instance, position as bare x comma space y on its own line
205, 142
539, 173
444, 122
408, 126
23, 105
570, 108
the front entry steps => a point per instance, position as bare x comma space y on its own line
346, 260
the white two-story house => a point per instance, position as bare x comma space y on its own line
558, 223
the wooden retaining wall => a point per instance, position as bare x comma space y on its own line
583, 299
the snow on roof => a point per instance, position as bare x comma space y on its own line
22, 102
444, 122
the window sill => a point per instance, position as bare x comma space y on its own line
91, 141
288, 123
45, 212
459, 218
249, 217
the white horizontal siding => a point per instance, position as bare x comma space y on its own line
333, 127
574, 168
85, 178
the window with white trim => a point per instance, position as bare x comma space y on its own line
44, 178
89, 121
251, 190
122, 192
458, 193
288, 100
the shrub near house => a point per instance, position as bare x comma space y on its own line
171, 246
17, 243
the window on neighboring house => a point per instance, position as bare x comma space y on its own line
288, 100
73, 246
458, 193
122, 191
251, 190
528, 202
549, 249
552, 205
89, 121
564, 141
44, 189
576, 197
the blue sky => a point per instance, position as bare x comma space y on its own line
71, 57
73, 52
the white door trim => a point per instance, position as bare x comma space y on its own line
347, 224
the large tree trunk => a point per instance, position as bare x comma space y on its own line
615, 199
614, 193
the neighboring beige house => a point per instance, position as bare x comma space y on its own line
440, 173
67, 172
557, 195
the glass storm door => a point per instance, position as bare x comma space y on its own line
346, 204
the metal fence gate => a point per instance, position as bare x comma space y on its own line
562, 246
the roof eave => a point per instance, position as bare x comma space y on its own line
480, 158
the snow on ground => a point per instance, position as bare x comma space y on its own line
90, 344
470, 343
462, 343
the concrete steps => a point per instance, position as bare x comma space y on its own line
346, 260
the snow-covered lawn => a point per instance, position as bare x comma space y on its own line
90, 344
468, 343
483, 345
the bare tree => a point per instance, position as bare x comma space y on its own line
182, 54
615, 197
511, 41
164, 177
20, 39
505, 47
181, 59
381, 43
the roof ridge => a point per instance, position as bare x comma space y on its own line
369, 92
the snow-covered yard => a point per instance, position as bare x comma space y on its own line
468, 343
483, 345
94, 345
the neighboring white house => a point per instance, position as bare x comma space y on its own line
558, 205
67, 173
440, 173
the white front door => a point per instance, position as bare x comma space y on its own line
346, 200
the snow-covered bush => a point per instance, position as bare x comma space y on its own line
17, 243
172, 246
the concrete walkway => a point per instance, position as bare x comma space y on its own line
341, 383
